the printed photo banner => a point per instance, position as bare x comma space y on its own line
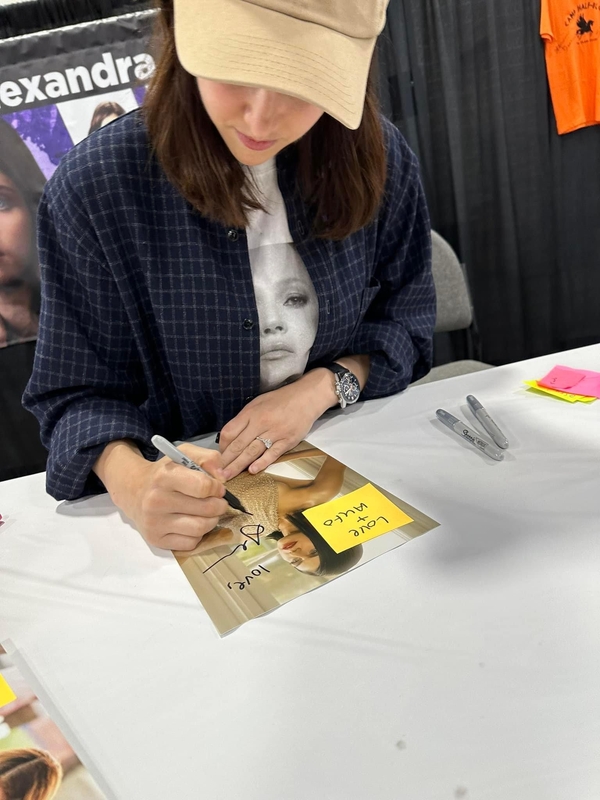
56, 88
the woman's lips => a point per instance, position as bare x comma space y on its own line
276, 353
252, 144
288, 546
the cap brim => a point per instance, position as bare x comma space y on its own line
246, 44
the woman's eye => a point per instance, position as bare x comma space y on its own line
5, 204
312, 554
296, 300
295, 561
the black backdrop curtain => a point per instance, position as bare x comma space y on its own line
466, 83
30, 16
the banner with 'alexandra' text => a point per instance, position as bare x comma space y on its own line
56, 88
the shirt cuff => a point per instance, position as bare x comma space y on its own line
396, 358
81, 435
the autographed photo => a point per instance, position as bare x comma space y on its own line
310, 520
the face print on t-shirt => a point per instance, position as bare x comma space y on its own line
288, 313
287, 304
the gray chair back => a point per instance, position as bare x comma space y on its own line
454, 311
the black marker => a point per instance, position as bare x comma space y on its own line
165, 447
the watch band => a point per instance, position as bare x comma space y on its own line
336, 368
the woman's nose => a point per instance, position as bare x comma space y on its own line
272, 320
261, 114
273, 327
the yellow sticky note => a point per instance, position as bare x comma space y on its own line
6, 693
568, 396
356, 518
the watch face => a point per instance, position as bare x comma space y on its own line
350, 387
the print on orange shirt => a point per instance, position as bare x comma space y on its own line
571, 33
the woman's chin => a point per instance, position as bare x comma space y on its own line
8, 285
276, 380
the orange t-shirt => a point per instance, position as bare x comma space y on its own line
571, 33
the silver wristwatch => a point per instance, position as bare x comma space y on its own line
347, 386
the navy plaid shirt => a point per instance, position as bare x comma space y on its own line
149, 323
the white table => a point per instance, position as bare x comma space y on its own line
465, 664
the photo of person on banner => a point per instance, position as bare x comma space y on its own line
105, 113
21, 186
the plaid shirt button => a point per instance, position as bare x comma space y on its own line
248, 324
233, 235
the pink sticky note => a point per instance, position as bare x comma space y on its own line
578, 381
590, 385
562, 378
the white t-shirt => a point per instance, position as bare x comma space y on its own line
288, 308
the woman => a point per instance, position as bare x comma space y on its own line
28, 774
275, 504
21, 186
147, 231
105, 113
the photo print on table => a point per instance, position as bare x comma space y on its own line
36, 760
312, 520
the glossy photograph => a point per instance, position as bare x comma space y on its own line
36, 760
255, 562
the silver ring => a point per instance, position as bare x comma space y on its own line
267, 442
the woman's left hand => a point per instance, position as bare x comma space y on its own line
284, 416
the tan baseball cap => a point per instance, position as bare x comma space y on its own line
317, 50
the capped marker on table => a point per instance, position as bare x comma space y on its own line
487, 422
469, 435
167, 448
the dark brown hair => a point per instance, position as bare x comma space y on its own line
29, 774
330, 562
103, 111
341, 172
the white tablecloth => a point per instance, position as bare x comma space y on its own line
462, 665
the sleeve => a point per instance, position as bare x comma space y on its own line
546, 22
87, 384
397, 330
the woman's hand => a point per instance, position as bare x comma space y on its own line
173, 507
216, 538
284, 416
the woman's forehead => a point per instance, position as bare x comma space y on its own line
6, 181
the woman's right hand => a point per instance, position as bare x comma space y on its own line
173, 507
